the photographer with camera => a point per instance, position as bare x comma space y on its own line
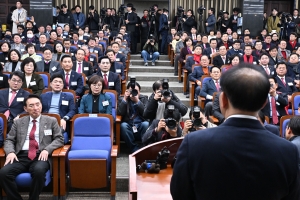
110, 20
165, 128
161, 97
93, 19
196, 122
211, 20
150, 51
131, 108
189, 21
224, 21
163, 30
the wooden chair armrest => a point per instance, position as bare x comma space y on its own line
202, 98
56, 152
2, 153
114, 151
64, 150
118, 118
213, 119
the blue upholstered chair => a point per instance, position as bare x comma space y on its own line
46, 78
91, 156
295, 103
284, 120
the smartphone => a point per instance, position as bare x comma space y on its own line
28, 18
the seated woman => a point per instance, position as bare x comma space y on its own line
30, 38
5, 47
13, 63
3, 78
233, 60
187, 49
31, 52
96, 101
198, 40
58, 52
32, 81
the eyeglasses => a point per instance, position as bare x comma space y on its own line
16, 81
97, 85
55, 82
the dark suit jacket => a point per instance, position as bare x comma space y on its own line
222, 43
36, 84
16, 106
39, 48
86, 68
188, 24
121, 58
271, 69
272, 128
207, 45
245, 167
53, 68
281, 102
208, 52
208, 88
113, 79
3, 81
218, 61
183, 53
132, 18
265, 46
289, 46
66, 104
257, 53
272, 61
75, 82
78, 42
231, 52
163, 22
254, 59
117, 67
289, 88
196, 74
216, 109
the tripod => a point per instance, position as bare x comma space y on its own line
152, 27
121, 21
201, 24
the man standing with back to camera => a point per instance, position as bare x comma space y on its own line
239, 159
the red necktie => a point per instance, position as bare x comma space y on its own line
217, 85
274, 111
7, 113
283, 54
33, 145
224, 59
79, 67
67, 50
105, 81
67, 80
267, 70
282, 79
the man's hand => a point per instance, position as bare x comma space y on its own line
184, 19
206, 24
199, 83
272, 92
187, 125
10, 158
32, 19
290, 98
297, 82
77, 27
126, 95
166, 100
43, 155
157, 95
161, 125
63, 124
17, 22
126, 21
152, 43
148, 41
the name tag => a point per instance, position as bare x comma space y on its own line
20, 99
93, 115
118, 70
105, 103
64, 103
22, 37
85, 68
1, 78
96, 51
92, 59
48, 132
72, 54
6, 58
78, 45
22, 50
254, 63
290, 84
53, 68
230, 47
119, 51
272, 73
32, 83
74, 83
111, 84
84, 40
117, 59
64, 36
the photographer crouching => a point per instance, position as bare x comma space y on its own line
196, 122
150, 51
166, 128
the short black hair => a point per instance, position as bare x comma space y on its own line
56, 75
213, 39
13, 50
95, 79
30, 45
8, 44
31, 96
65, 56
294, 125
249, 80
272, 77
263, 54
26, 61
136, 84
176, 114
46, 49
295, 34
108, 51
18, 74
104, 57
210, 70
272, 48
156, 85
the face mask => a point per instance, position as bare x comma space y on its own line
30, 36
8, 37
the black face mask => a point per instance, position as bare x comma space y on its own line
7, 37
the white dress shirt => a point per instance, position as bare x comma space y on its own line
36, 134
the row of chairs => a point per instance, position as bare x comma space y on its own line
89, 161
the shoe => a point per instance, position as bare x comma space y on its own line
187, 96
153, 63
146, 64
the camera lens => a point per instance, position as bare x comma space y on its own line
166, 93
134, 92
171, 123
197, 122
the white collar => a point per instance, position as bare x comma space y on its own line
37, 119
10, 90
242, 116
107, 73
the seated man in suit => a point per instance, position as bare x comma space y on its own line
248, 58
111, 79
75, 40
17, 44
197, 176
293, 67
247, 41
264, 63
292, 132
28, 148
258, 49
235, 50
212, 50
89, 57
283, 52
225, 41
116, 67
119, 57
273, 59
72, 80
43, 43
209, 88
161, 130
93, 48
133, 124
48, 65
267, 43
67, 47
276, 103
82, 66
285, 84
222, 58
11, 99
293, 44
59, 102
270, 127
198, 72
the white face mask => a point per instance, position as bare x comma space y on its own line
30, 36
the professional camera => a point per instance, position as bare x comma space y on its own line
165, 88
133, 92
170, 121
197, 121
102, 12
220, 13
151, 41
201, 9
121, 9
151, 10
180, 11
285, 17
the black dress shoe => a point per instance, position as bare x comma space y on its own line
187, 96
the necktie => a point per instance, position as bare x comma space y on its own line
75, 42
282, 79
204, 46
79, 67
67, 80
106, 81
217, 85
33, 145
47, 62
274, 111
67, 50
223, 58
7, 113
267, 70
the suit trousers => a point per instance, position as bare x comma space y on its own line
164, 38
35, 167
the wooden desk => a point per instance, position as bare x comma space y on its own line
146, 186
